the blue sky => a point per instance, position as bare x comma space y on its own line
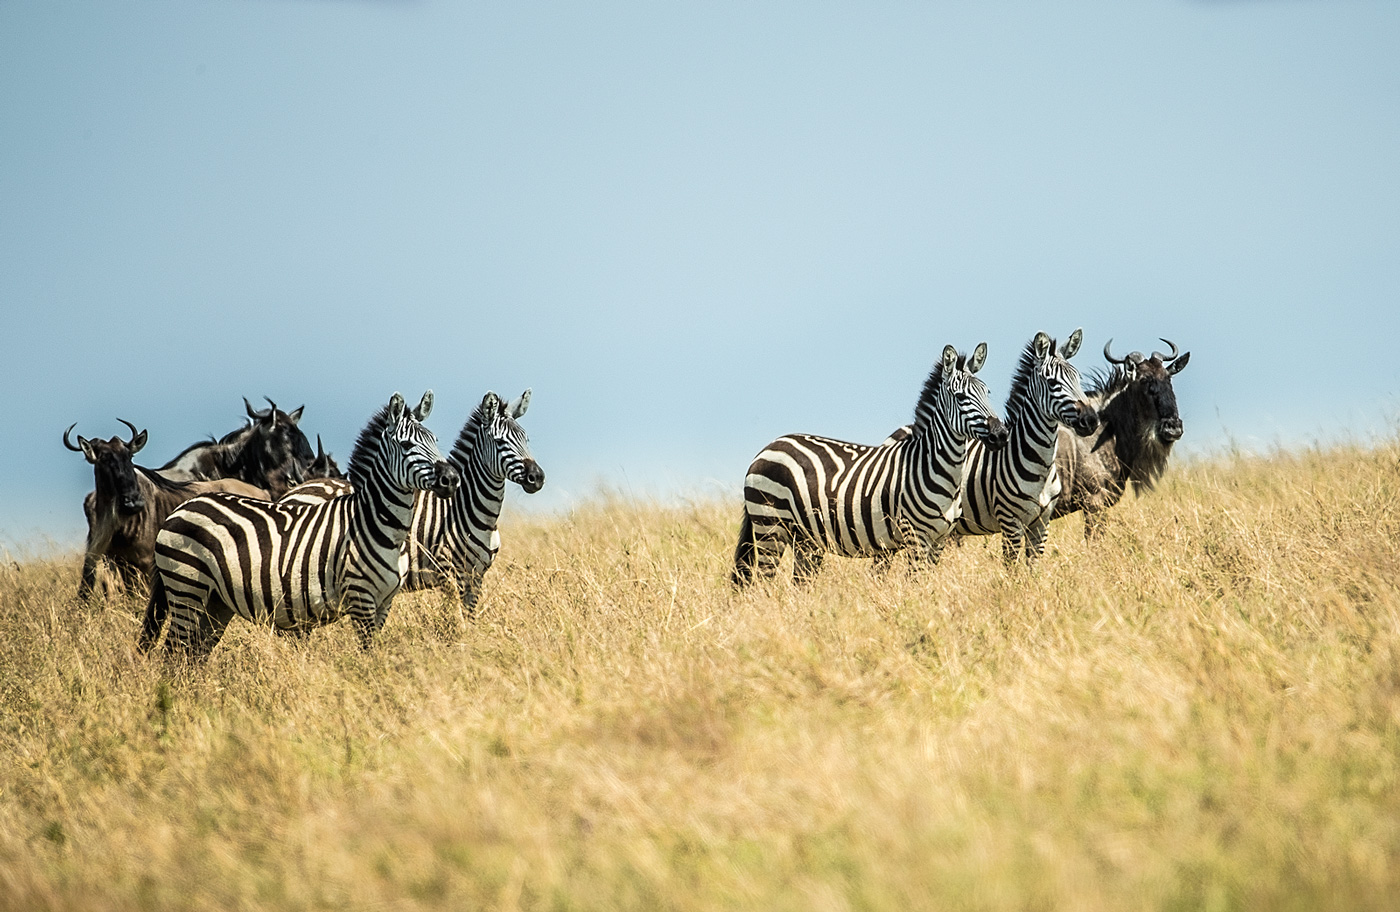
688, 227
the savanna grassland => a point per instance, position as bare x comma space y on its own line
1200, 712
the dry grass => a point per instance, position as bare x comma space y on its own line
1203, 712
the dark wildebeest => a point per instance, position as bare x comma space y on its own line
270, 453
324, 465
1138, 423
127, 505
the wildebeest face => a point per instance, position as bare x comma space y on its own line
114, 472
1150, 380
277, 444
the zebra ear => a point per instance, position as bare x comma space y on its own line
950, 359
979, 358
519, 404
425, 405
1041, 345
396, 407
1071, 346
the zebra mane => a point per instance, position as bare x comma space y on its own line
923, 408
362, 457
1016, 398
462, 449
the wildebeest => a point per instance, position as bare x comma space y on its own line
324, 465
271, 452
1139, 422
127, 505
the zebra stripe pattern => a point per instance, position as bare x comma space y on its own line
1013, 490
298, 565
454, 540
821, 495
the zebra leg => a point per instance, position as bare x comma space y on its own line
806, 560
1035, 540
196, 626
1012, 541
769, 545
468, 584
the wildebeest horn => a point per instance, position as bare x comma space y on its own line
320, 452
1109, 356
134, 432
68, 443
255, 415
1166, 360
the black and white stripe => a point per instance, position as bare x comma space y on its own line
1013, 490
818, 494
454, 540
298, 565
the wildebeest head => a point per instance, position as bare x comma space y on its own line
275, 446
114, 473
324, 465
1149, 384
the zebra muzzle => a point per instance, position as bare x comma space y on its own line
446, 479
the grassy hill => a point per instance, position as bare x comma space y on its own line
1200, 712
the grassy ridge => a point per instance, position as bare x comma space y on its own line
1202, 711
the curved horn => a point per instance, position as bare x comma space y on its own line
320, 451
1109, 356
1174, 355
134, 432
255, 415
68, 443
271, 403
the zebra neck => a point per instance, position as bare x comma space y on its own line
938, 447
1032, 432
383, 506
480, 494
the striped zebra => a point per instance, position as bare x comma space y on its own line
298, 565
454, 540
818, 494
1013, 490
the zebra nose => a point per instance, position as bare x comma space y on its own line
534, 477
1087, 421
997, 434
446, 479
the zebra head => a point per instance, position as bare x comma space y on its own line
1150, 382
1052, 384
955, 393
114, 472
501, 444
408, 452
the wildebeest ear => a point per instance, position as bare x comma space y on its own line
979, 358
396, 406
1179, 363
425, 406
490, 404
1071, 346
518, 405
138, 442
295, 416
88, 452
950, 359
1041, 344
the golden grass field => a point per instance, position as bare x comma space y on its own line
1200, 712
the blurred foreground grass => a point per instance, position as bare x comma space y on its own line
1200, 712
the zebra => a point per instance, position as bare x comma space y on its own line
1013, 490
298, 565
818, 494
454, 540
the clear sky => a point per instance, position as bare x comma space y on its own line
689, 227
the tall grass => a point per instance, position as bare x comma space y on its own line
1202, 711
